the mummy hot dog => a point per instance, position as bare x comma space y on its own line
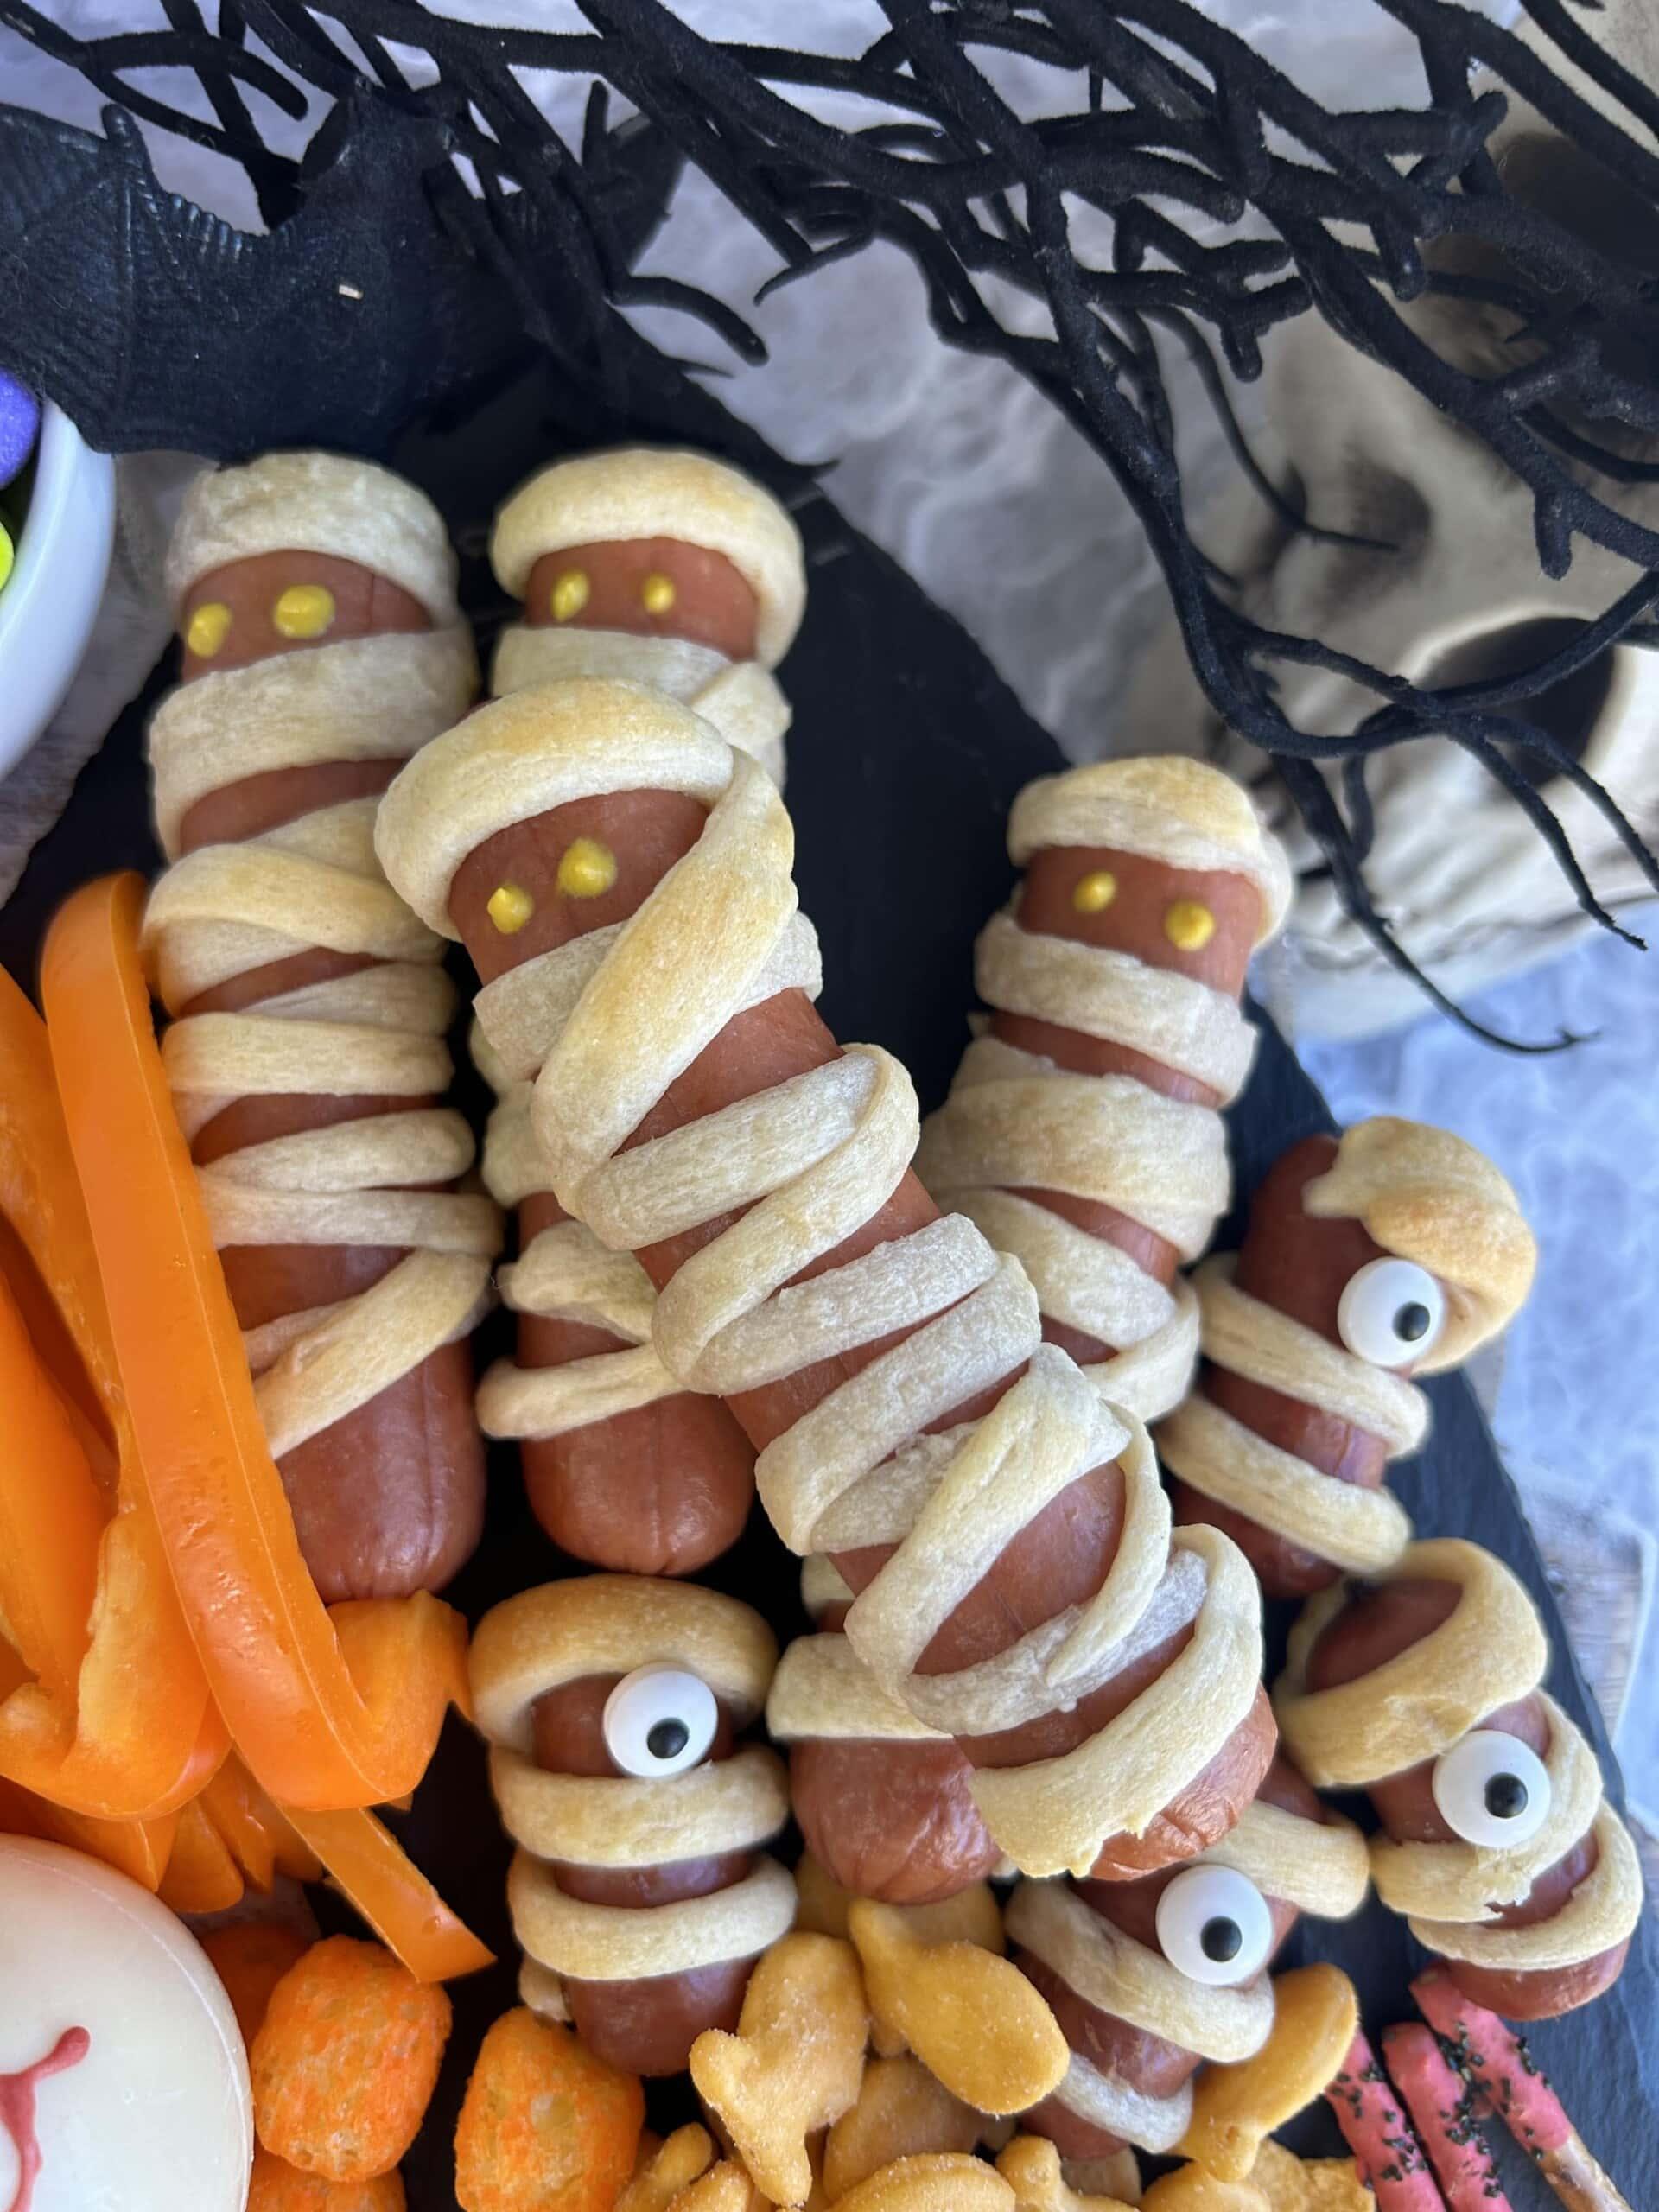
1422, 1688
885, 1802
1149, 1978
676, 570
315, 597
1396, 1249
1081, 1133
1007, 1538
639, 1892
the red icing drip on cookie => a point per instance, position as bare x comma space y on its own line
17, 2108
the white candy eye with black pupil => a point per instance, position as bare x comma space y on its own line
1391, 1313
1493, 1789
660, 1721
1214, 1926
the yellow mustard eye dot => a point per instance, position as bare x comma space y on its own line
570, 592
1094, 892
656, 592
208, 628
510, 906
1188, 926
587, 870
303, 611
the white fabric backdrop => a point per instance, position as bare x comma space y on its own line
1001, 510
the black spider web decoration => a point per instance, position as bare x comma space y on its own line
1222, 179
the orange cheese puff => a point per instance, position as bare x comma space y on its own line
545, 2125
346, 2063
278, 2186
250, 1957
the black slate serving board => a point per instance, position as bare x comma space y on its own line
906, 752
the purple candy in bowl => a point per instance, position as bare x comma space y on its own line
20, 426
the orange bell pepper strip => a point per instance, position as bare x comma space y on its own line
328, 1713
202, 1875
110, 1717
138, 1849
262, 1839
371, 1871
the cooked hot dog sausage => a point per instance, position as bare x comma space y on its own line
321, 647
1046, 1782
1392, 1252
1082, 1131
1149, 1978
1423, 1688
639, 1893
624, 1471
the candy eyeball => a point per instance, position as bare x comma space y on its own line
1391, 1314
1493, 1789
1214, 1926
659, 1721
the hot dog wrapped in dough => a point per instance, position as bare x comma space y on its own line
1017, 1586
677, 571
322, 646
669, 568
1150, 1978
885, 1803
1083, 1133
1423, 1688
1394, 1250
640, 1894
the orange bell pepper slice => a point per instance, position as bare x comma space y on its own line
138, 1849
328, 1712
371, 1871
202, 1875
262, 1839
109, 1716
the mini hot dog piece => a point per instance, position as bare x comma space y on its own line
1149, 1978
1423, 1688
614, 1705
1395, 1251
314, 597
1083, 1132
680, 572
885, 1803
1004, 1531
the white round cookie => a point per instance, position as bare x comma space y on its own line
153, 2113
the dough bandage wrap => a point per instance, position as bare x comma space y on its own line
669, 982
1016, 1122
1489, 1652
313, 883
606, 1625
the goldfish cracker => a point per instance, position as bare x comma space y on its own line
1031, 2166
724, 2188
345, 2061
971, 2017
1118, 2174
545, 2125
795, 2064
945, 2183
278, 2186
902, 2111
250, 1957
1194, 2188
1293, 2184
973, 1916
665, 2169
1235, 2108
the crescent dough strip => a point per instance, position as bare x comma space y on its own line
1153, 2124
606, 1624
1320, 1866
1601, 1912
1114, 1974
609, 1942
312, 883
1489, 1650
812, 1170
1015, 1121
823, 1688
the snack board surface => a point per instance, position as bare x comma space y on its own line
906, 755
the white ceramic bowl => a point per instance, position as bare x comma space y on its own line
47, 607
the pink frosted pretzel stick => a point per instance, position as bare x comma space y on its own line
1391, 2160
1443, 2106
1496, 2063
